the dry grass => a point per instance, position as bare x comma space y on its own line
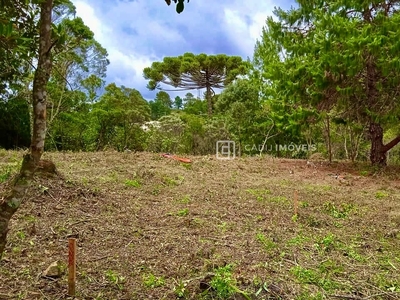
152, 228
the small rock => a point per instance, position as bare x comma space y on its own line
311, 164
55, 270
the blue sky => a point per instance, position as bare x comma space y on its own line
138, 32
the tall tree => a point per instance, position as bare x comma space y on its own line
178, 102
193, 105
119, 113
161, 106
340, 55
31, 161
190, 71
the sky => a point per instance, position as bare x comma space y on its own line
139, 32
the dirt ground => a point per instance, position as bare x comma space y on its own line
150, 227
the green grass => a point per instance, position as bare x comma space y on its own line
132, 183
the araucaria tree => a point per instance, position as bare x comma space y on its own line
190, 71
340, 56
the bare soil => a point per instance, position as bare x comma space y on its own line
150, 227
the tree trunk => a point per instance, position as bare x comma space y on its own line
377, 154
209, 100
31, 162
328, 134
40, 80
208, 94
378, 149
14, 198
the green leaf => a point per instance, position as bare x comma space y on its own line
180, 6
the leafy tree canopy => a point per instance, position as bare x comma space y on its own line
190, 71
340, 55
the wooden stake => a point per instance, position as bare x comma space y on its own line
71, 266
296, 203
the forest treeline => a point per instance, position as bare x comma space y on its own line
325, 75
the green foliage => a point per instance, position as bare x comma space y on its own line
5, 174
224, 285
182, 71
194, 106
132, 183
190, 71
178, 102
161, 106
315, 277
266, 242
261, 195
223, 282
321, 58
180, 5
152, 281
115, 279
340, 212
183, 212
180, 289
14, 123
381, 194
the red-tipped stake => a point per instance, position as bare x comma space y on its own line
71, 266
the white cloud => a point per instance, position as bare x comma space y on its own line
87, 13
246, 21
136, 33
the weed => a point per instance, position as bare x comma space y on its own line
260, 194
172, 181
338, 212
116, 279
317, 187
183, 212
185, 199
266, 242
180, 289
156, 191
313, 222
326, 243
186, 166
304, 204
309, 276
223, 226
330, 266
384, 282
5, 174
85, 181
381, 194
308, 296
21, 235
278, 199
352, 253
152, 281
16, 250
298, 240
224, 284
133, 183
